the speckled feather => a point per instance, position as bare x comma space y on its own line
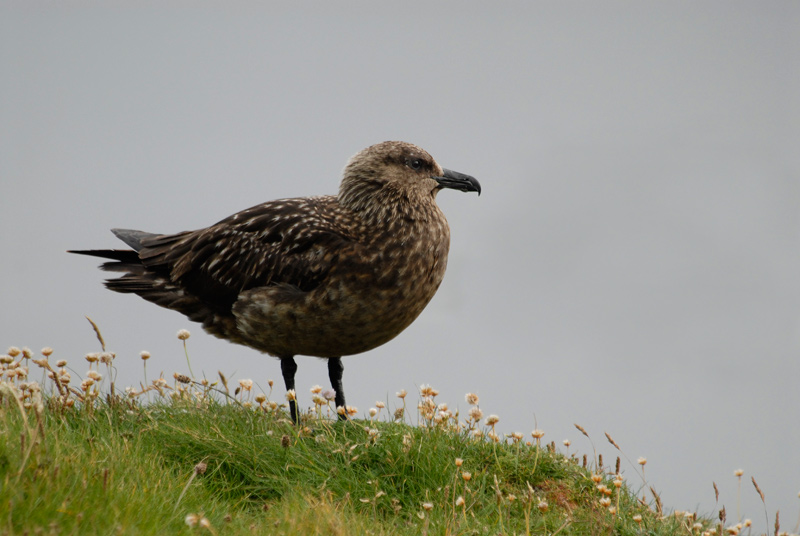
322, 276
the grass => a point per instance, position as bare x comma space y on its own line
185, 457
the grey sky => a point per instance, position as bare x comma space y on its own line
632, 265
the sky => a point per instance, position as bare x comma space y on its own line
632, 265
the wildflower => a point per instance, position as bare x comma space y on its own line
491, 420
92, 358
460, 501
477, 433
191, 520
459, 461
605, 502
427, 506
247, 385
316, 390
14, 351
27, 353
566, 443
329, 395
93, 374
380, 405
543, 506
46, 351
352, 411
316, 399
183, 334
373, 412
61, 363
145, 355
401, 393
291, 395
641, 461
738, 472
341, 410
638, 518
537, 434
471, 398
205, 523
597, 478
107, 357
466, 475
261, 398
516, 436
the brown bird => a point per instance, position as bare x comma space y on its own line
323, 276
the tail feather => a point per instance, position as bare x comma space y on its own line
132, 237
153, 281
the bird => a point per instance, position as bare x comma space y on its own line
325, 276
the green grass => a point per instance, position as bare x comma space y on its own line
191, 457
114, 466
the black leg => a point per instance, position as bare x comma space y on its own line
288, 369
335, 370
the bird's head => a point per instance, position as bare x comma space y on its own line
397, 172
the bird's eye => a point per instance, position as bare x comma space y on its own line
415, 163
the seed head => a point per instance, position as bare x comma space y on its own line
460, 501
641, 461
471, 398
543, 506
61, 363
183, 334
46, 351
182, 378
261, 398
329, 395
373, 412
567, 443
247, 385
738, 472
380, 405
92, 358
14, 351
145, 355
291, 395
352, 411
93, 374
537, 434
491, 420
459, 462
466, 475
316, 390
401, 393
427, 506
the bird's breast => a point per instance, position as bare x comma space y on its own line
372, 293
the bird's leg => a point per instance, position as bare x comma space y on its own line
335, 370
288, 369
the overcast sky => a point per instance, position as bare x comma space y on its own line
633, 264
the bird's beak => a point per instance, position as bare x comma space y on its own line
458, 181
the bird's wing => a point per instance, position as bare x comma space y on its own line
289, 241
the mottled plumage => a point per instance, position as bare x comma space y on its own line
324, 276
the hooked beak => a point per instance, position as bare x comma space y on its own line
458, 181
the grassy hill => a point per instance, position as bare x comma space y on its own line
185, 457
